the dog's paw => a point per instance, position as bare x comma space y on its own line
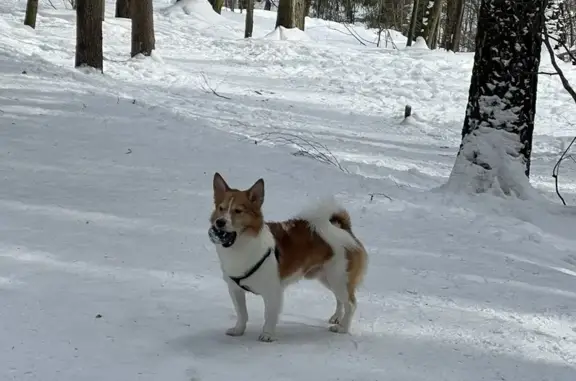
235, 331
337, 328
335, 319
266, 337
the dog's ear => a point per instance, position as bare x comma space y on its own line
220, 187
256, 193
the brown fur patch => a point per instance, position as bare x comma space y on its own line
301, 250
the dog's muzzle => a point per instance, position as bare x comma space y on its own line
221, 237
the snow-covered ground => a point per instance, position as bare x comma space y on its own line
106, 270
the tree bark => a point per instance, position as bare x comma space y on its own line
89, 34
430, 22
31, 12
217, 6
299, 13
123, 9
290, 14
413, 21
499, 123
143, 41
452, 30
249, 19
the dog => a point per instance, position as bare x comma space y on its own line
265, 257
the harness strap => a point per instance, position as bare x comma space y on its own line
253, 269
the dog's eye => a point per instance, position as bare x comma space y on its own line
221, 208
237, 211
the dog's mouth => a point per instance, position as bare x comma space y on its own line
221, 237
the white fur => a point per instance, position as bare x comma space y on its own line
238, 259
319, 218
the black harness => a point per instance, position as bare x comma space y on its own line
256, 267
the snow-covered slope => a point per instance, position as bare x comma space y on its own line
106, 270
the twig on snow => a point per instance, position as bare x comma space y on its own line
306, 147
206, 87
372, 195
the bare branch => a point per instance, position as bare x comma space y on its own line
570, 90
206, 87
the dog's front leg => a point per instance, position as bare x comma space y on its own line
239, 299
272, 307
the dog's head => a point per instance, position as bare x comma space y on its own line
237, 211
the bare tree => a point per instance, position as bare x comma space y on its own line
249, 19
143, 41
31, 12
499, 123
123, 9
89, 34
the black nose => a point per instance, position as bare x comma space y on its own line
220, 223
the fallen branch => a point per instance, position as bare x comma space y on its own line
379, 194
206, 87
306, 147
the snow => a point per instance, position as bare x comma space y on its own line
287, 34
106, 269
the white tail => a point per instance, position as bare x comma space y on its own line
319, 215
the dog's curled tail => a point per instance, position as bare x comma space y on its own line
342, 219
331, 222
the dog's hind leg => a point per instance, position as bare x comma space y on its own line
337, 316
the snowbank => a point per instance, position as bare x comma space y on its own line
287, 34
200, 9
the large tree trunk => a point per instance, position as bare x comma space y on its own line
89, 34
497, 135
413, 22
290, 14
31, 12
123, 8
452, 31
143, 40
249, 19
430, 22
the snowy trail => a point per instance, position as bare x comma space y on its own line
132, 248
105, 266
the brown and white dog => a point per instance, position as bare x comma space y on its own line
265, 257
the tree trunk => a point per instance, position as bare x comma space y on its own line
455, 43
497, 133
123, 9
268, 5
217, 6
31, 12
413, 21
89, 34
430, 21
307, 6
299, 13
290, 14
249, 19
143, 40
349, 9
453, 28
